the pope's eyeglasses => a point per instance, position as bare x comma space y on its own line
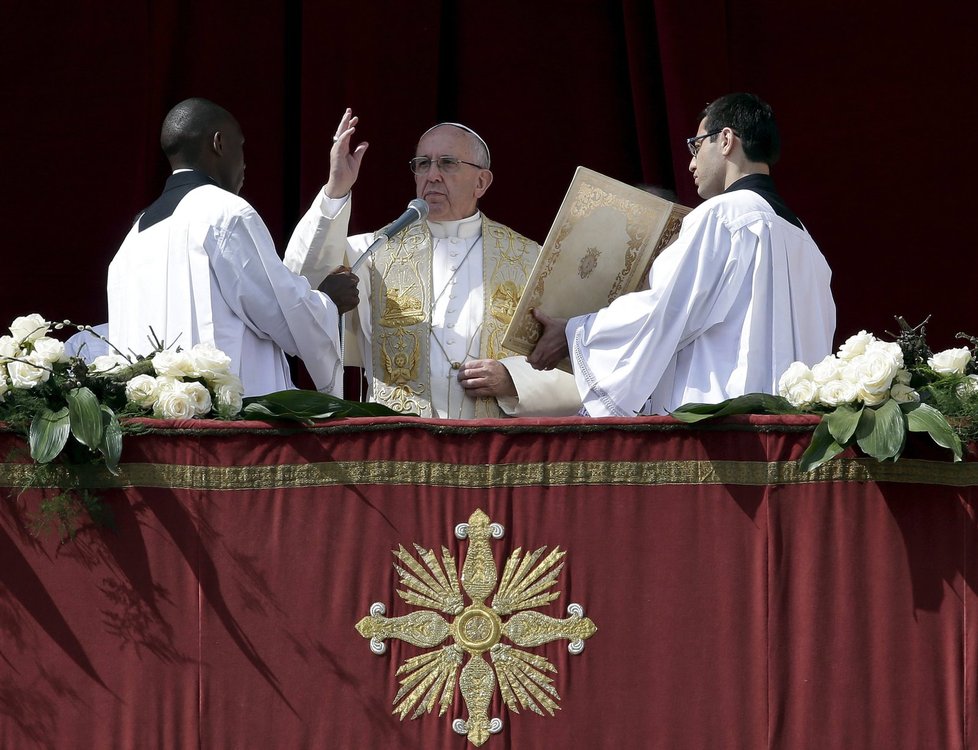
445, 164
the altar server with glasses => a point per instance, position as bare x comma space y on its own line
741, 294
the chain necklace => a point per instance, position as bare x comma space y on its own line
434, 303
454, 364
452, 377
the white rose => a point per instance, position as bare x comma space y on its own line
143, 390
797, 385
200, 397
173, 364
903, 394
855, 345
4, 385
873, 399
228, 400
174, 403
873, 374
837, 392
29, 327
108, 363
226, 378
209, 361
902, 377
889, 349
9, 347
28, 372
50, 350
950, 361
827, 370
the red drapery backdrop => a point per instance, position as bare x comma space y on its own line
739, 602
875, 107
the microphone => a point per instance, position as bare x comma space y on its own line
417, 210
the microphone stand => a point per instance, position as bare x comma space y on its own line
378, 241
420, 208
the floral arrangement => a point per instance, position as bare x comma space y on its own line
70, 401
70, 409
872, 393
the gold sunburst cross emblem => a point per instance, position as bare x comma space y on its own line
477, 629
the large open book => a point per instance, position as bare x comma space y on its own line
600, 246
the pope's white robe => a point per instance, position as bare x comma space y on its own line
210, 273
740, 295
456, 316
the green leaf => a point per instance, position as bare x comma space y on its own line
882, 431
48, 434
822, 448
925, 418
305, 406
842, 423
86, 416
111, 445
750, 403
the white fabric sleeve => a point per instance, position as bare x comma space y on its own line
276, 303
622, 352
318, 244
540, 393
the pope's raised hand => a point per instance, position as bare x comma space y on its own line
344, 163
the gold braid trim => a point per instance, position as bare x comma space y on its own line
484, 476
507, 260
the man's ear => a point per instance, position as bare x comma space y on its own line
728, 137
218, 143
483, 183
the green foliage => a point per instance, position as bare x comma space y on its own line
957, 399
48, 433
882, 431
822, 448
925, 418
751, 403
879, 431
307, 406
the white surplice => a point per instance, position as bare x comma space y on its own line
740, 295
210, 273
456, 315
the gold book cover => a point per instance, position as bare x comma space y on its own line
601, 245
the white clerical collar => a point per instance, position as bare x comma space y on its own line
461, 228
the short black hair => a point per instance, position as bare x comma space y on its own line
751, 119
190, 125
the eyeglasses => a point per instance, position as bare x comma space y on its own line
694, 143
446, 164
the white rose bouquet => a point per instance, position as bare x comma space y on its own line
63, 403
872, 393
68, 407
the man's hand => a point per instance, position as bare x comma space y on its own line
486, 377
341, 287
344, 165
552, 345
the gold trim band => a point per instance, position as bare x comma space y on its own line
480, 476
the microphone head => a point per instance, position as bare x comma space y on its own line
421, 206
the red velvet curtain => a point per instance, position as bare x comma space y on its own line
874, 104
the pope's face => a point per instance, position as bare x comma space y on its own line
451, 195
708, 166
